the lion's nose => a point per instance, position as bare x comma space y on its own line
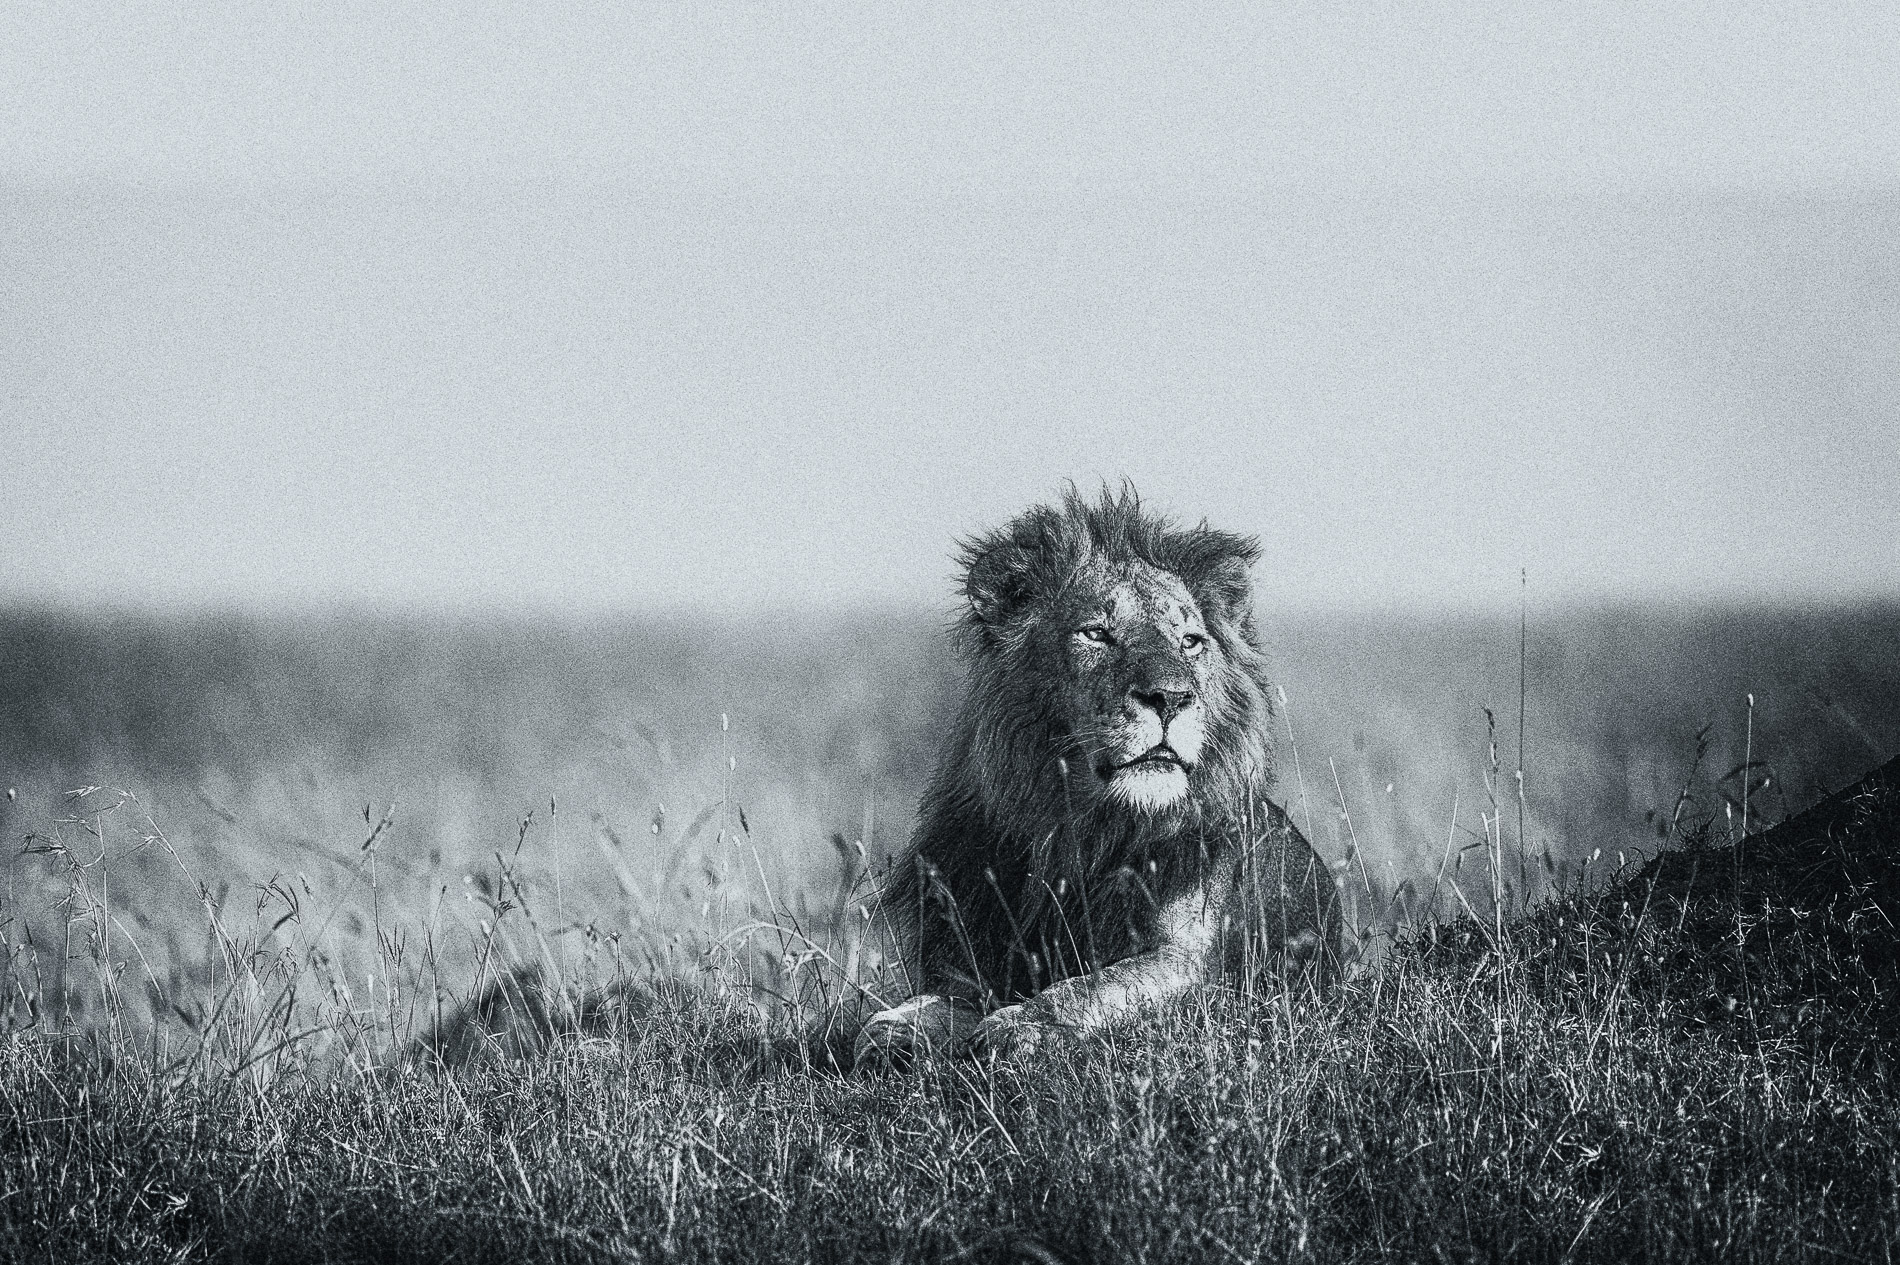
1166, 702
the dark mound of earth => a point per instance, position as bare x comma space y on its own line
1787, 938
1846, 846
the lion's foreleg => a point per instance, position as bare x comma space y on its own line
926, 1023
1088, 1003
1103, 997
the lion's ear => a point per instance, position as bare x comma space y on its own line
1231, 588
1217, 566
997, 583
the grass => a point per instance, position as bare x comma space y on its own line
216, 993
1694, 1061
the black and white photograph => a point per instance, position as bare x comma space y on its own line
999, 632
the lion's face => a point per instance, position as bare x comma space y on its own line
1114, 669
1134, 652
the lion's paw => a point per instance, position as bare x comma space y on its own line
1013, 1032
895, 1037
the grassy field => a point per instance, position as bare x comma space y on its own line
262, 860
1693, 1063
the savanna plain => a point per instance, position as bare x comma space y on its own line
372, 937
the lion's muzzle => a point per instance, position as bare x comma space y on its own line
1154, 746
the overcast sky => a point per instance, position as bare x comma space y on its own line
655, 306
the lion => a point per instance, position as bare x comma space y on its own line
1098, 835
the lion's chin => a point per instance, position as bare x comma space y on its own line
1153, 787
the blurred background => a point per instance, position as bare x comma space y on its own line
555, 422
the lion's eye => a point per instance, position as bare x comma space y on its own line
1094, 636
1193, 643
